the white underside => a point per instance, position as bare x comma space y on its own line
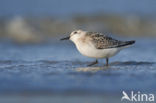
90, 51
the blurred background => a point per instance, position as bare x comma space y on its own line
37, 20
36, 67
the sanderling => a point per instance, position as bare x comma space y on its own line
96, 45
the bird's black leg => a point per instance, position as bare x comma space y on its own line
107, 61
93, 63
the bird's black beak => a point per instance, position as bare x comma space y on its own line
66, 38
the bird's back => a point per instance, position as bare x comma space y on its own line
102, 41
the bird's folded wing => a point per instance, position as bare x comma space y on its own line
104, 42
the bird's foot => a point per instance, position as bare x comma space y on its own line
93, 63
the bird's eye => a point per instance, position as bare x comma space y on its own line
75, 32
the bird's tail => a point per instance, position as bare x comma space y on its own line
127, 43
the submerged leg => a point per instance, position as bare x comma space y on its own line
107, 61
93, 63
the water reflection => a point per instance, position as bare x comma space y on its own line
115, 66
91, 69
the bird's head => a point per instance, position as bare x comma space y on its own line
75, 35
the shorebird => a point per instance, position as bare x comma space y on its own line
96, 45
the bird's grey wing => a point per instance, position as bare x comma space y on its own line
104, 42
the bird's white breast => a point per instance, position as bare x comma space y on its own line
88, 49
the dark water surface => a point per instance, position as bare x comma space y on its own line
58, 68
70, 7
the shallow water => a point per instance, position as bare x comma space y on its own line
58, 68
